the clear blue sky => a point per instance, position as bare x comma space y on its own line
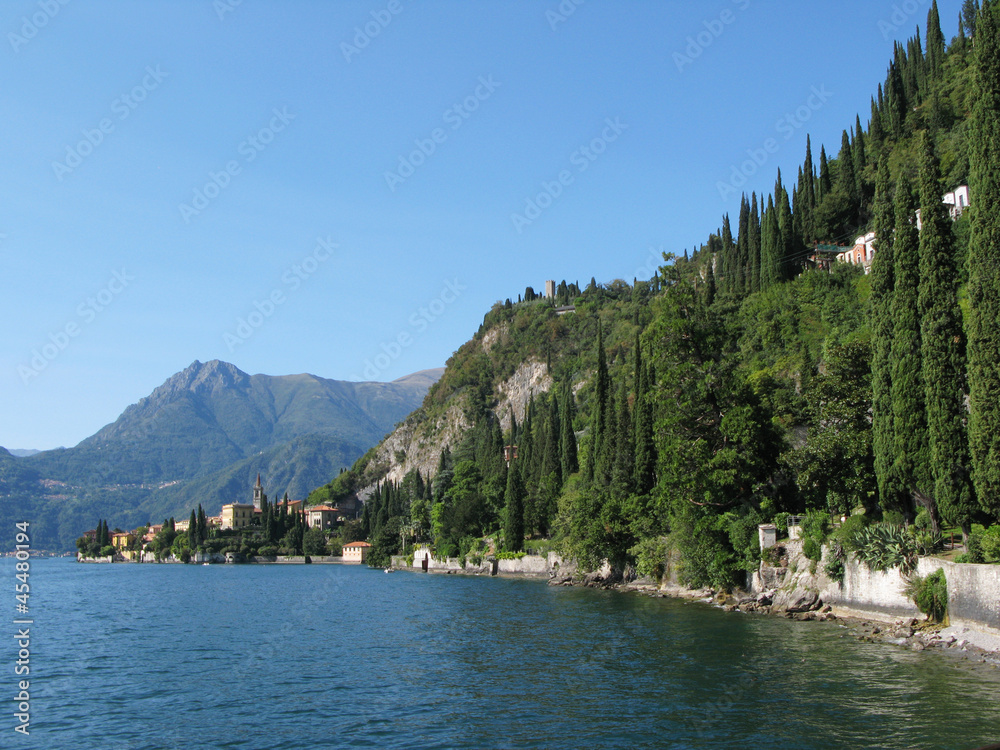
110, 285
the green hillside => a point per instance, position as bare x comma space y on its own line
741, 384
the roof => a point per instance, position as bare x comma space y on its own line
322, 507
237, 505
357, 544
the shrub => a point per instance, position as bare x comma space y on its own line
650, 557
510, 555
835, 569
884, 546
268, 551
990, 542
974, 547
781, 521
893, 518
923, 519
930, 594
848, 530
812, 549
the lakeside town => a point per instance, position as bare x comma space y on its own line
259, 531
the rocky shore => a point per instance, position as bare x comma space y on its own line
912, 633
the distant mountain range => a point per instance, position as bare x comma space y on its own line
202, 437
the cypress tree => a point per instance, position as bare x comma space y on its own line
825, 182
192, 532
984, 262
570, 464
645, 450
935, 41
883, 283
912, 457
741, 267
552, 461
753, 248
728, 268
513, 527
943, 349
789, 245
623, 469
809, 194
601, 409
770, 241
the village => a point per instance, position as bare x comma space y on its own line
286, 532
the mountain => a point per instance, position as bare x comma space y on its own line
23, 452
201, 437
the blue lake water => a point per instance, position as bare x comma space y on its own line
129, 657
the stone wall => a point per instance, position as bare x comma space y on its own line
973, 590
529, 566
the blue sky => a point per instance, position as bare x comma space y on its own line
298, 186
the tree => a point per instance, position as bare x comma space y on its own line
984, 260
943, 350
912, 457
935, 41
568, 457
883, 283
314, 543
513, 526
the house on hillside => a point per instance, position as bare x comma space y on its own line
957, 201
861, 253
322, 517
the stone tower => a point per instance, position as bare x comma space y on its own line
258, 494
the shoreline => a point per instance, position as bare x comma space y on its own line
919, 635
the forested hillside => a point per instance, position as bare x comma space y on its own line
741, 383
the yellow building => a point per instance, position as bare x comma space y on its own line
120, 540
236, 515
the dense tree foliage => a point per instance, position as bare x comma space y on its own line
745, 380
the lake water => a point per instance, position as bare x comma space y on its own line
128, 657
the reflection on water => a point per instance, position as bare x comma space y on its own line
330, 656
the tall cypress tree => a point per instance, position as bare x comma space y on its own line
753, 248
770, 246
596, 465
623, 469
825, 181
935, 41
742, 267
883, 283
984, 263
789, 246
943, 349
728, 267
513, 527
645, 448
567, 442
912, 456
